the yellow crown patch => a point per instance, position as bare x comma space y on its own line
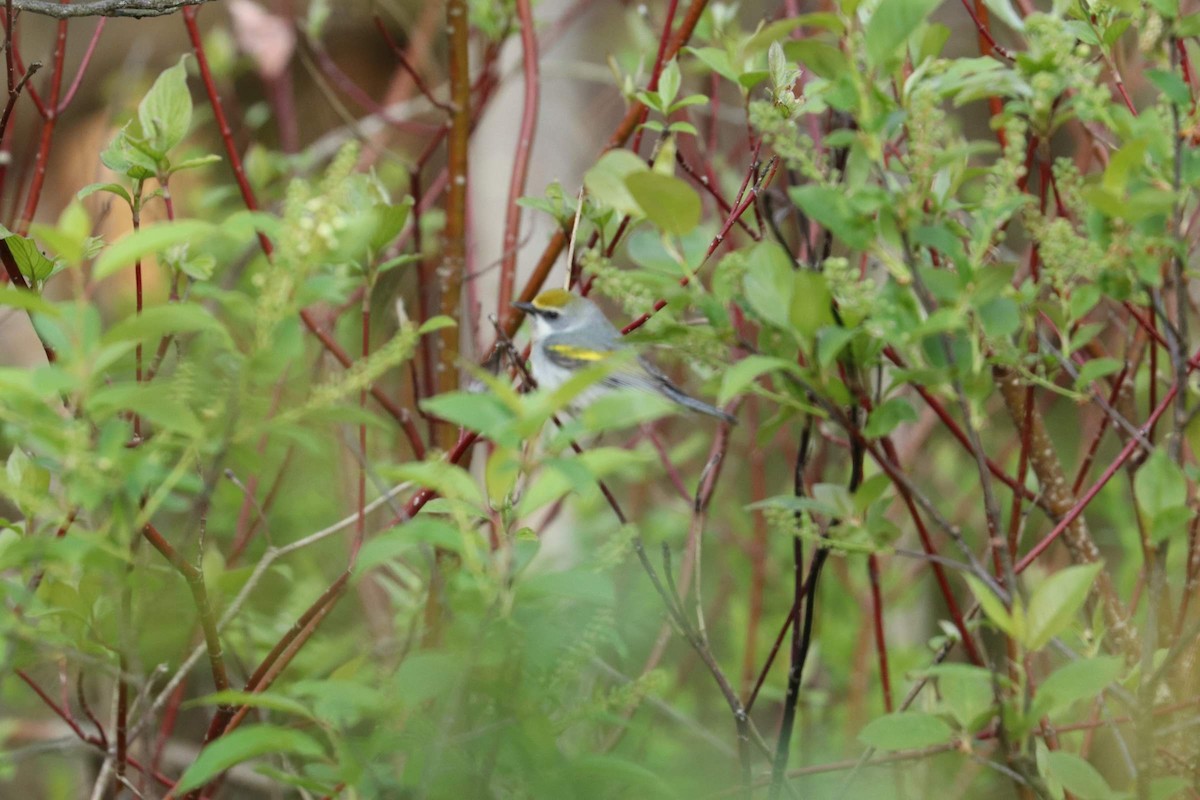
553, 299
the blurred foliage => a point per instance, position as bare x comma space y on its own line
498, 642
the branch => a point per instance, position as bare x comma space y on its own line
105, 8
454, 257
529, 114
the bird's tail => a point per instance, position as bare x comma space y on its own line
696, 405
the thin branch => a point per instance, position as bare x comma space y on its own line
520, 171
137, 9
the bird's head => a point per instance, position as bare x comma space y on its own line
558, 311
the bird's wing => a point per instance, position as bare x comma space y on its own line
572, 356
629, 371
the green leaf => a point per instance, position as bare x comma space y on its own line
111, 188
425, 675
1000, 317
1125, 161
241, 745
33, 265
812, 303
1095, 369
158, 321
768, 283
605, 181
773, 32
625, 407
403, 538
1171, 85
746, 371
475, 411
669, 81
822, 58
69, 238
665, 200
891, 25
124, 158
1172, 786
437, 323
166, 111
195, 163
966, 692
1078, 776
577, 584
150, 240
12, 297
1083, 299
446, 479
831, 208
1056, 601
266, 700
888, 416
390, 219
1159, 484
831, 341
1079, 680
156, 402
905, 730
992, 605
716, 59
1004, 10
27, 478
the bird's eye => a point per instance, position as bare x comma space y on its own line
550, 314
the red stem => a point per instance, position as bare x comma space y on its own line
48, 124
656, 72
1128, 450
880, 644
83, 65
520, 173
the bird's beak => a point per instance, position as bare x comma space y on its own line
528, 308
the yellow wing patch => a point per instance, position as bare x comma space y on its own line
578, 353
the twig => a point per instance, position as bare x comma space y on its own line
105, 8
520, 170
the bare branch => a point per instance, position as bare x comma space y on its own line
105, 8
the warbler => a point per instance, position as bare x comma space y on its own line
571, 332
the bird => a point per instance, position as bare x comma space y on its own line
570, 332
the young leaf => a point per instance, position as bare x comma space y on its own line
267, 700
166, 111
665, 200
605, 181
812, 302
158, 321
905, 730
831, 208
111, 188
150, 240
1078, 776
993, 606
891, 25
743, 373
241, 745
768, 283
1159, 484
480, 412
1056, 601
1078, 680
889, 415
669, 82
33, 265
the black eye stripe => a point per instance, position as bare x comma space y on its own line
550, 314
